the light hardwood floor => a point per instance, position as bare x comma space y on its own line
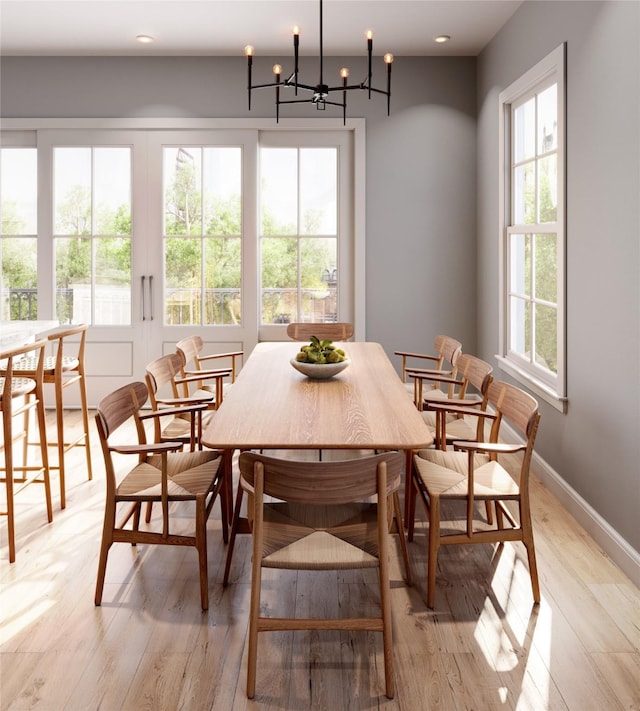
150, 646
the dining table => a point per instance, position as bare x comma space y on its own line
271, 406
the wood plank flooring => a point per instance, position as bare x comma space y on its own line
149, 646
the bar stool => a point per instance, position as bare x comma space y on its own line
62, 371
19, 396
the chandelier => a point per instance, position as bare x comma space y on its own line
321, 94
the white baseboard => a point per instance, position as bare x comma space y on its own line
613, 544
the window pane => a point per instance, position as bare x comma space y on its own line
520, 331
19, 278
548, 188
520, 264
183, 278
18, 191
318, 191
182, 191
524, 194
222, 171
524, 138
279, 280
546, 267
73, 280
113, 282
548, 119
222, 281
112, 191
72, 191
318, 279
279, 191
546, 337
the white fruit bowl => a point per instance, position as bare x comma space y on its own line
319, 371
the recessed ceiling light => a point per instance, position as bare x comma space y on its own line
144, 39
441, 39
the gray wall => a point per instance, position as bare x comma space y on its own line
595, 447
416, 160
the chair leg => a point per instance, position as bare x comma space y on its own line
44, 453
434, 545
387, 641
107, 540
60, 441
254, 612
411, 511
232, 538
8, 463
85, 424
403, 542
527, 538
201, 546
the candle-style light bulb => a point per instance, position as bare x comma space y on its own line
388, 58
344, 72
249, 50
277, 69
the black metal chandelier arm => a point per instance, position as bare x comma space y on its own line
351, 87
309, 101
292, 85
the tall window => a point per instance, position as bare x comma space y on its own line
533, 234
18, 230
299, 234
92, 234
202, 235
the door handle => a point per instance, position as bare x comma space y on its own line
151, 297
144, 310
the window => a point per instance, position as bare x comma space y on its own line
532, 248
202, 235
18, 230
299, 234
92, 234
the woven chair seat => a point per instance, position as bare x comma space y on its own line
145, 481
19, 386
29, 364
445, 474
319, 537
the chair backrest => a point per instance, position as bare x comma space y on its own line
161, 372
520, 411
475, 372
119, 406
189, 348
449, 350
322, 483
334, 331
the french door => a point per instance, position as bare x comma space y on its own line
150, 236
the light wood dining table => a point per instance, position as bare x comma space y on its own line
273, 406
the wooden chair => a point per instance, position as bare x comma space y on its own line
164, 381
62, 370
443, 362
189, 349
19, 396
334, 331
473, 473
162, 474
320, 521
473, 376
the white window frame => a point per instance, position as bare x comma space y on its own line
548, 386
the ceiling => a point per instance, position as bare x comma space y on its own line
224, 27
